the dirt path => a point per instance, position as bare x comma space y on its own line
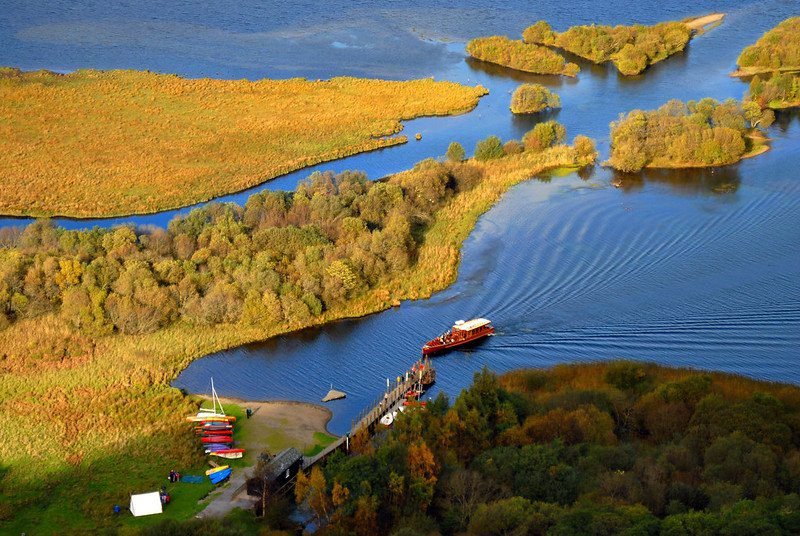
273, 427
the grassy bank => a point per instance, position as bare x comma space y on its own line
103, 143
92, 418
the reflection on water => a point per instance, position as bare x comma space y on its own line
688, 267
716, 180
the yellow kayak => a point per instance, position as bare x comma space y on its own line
216, 469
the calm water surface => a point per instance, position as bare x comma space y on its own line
694, 268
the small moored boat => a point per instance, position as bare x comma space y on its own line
462, 334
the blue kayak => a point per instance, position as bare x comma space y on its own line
219, 476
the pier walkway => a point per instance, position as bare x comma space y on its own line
422, 375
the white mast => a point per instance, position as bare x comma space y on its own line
215, 399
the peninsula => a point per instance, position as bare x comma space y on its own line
99, 321
108, 143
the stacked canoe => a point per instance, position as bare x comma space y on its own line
216, 434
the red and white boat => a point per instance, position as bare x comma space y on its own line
462, 334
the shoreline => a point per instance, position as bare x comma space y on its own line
259, 404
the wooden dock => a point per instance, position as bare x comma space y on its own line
422, 375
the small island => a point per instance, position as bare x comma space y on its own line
631, 48
693, 134
107, 143
777, 50
520, 56
533, 98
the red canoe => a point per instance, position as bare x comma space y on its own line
207, 433
462, 334
217, 439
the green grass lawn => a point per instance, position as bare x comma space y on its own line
321, 440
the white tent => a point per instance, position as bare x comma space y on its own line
146, 504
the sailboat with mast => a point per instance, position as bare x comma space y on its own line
216, 413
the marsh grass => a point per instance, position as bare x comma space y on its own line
104, 143
93, 419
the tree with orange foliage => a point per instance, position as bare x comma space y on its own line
313, 490
423, 468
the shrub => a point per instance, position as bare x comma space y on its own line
455, 152
539, 33
488, 149
544, 135
584, 146
532, 98
513, 147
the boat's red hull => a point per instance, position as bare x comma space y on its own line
435, 347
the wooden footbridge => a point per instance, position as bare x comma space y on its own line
420, 377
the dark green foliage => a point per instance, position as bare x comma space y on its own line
488, 149
729, 465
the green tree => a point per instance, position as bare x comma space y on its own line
455, 152
489, 149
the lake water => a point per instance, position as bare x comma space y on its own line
690, 268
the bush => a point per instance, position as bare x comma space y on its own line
539, 34
489, 149
544, 135
532, 98
455, 152
585, 147
513, 147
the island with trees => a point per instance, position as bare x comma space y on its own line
781, 90
777, 50
97, 321
774, 63
521, 56
94, 143
694, 134
533, 98
590, 449
631, 48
